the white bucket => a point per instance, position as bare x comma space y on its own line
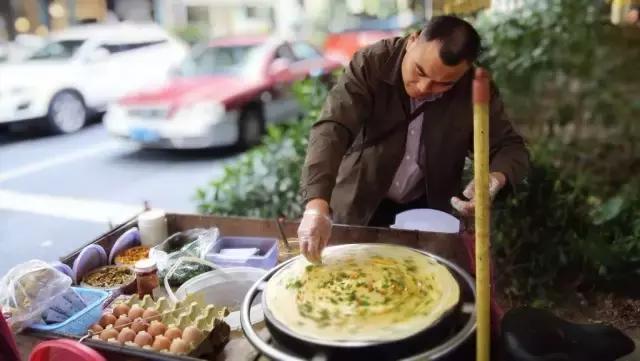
427, 220
226, 287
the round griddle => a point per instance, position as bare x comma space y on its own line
433, 342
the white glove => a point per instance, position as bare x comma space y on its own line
497, 181
314, 232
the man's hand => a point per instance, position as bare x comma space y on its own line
497, 181
314, 230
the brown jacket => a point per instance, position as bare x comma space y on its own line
358, 141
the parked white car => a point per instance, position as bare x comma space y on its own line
82, 69
21, 48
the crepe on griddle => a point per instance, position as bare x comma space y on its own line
362, 293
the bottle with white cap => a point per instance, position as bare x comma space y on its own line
153, 227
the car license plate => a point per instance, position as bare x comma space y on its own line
144, 135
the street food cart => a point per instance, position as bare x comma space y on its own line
235, 345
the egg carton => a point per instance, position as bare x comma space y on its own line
188, 312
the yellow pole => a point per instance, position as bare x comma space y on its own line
481, 176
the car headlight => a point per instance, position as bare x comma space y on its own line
200, 112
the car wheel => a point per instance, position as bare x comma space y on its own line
251, 128
67, 113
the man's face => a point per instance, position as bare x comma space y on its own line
424, 73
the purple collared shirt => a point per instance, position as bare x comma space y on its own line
407, 183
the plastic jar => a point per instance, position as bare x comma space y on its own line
153, 227
146, 276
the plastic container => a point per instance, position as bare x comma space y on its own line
64, 350
266, 258
153, 227
427, 220
225, 287
78, 324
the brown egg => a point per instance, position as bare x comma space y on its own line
107, 319
161, 343
173, 332
121, 309
95, 328
156, 328
192, 334
108, 333
122, 322
179, 346
143, 338
139, 325
151, 314
126, 335
136, 311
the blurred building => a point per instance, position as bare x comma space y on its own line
42, 16
216, 18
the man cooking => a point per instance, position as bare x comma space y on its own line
394, 133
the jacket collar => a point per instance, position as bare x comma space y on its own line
392, 67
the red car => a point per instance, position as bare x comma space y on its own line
345, 39
223, 94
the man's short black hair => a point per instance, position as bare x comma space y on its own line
460, 41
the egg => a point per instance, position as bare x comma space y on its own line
96, 328
108, 334
143, 338
122, 322
156, 328
179, 346
121, 309
161, 343
192, 334
107, 319
136, 311
173, 332
126, 335
151, 314
139, 325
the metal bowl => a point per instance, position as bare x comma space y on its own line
433, 342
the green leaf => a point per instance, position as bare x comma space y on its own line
608, 210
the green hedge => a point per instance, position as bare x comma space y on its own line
570, 80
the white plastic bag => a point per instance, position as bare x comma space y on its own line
194, 243
28, 290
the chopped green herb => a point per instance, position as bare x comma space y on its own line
306, 307
310, 268
295, 284
324, 314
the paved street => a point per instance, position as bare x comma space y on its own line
58, 192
